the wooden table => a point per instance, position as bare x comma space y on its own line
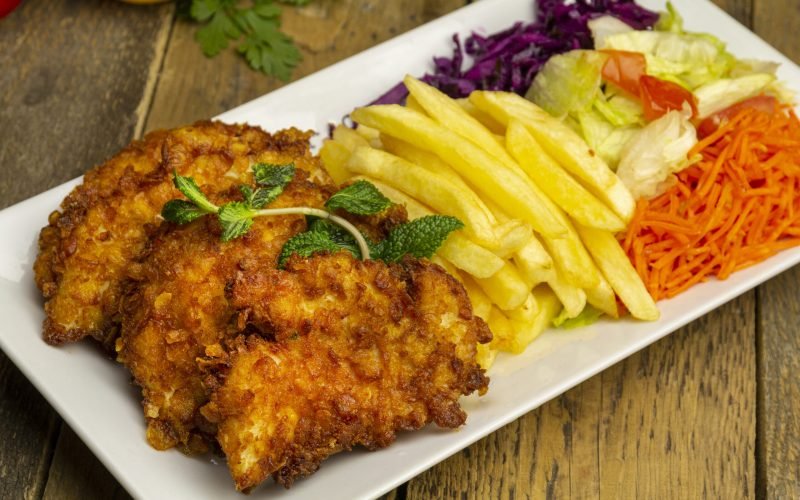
710, 411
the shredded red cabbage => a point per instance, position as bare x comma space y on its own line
510, 59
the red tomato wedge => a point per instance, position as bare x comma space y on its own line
765, 103
624, 69
660, 96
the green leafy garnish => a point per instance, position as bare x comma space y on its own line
235, 218
326, 232
191, 190
181, 211
588, 316
360, 198
420, 237
257, 22
307, 244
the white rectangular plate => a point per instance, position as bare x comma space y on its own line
95, 397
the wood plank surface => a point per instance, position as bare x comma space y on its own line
192, 86
73, 77
685, 418
676, 420
778, 455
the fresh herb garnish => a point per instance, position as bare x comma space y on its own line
326, 232
264, 46
360, 198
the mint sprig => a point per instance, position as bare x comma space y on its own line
326, 232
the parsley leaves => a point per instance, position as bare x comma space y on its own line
326, 232
264, 46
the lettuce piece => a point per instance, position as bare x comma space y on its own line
588, 316
726, 92
568, 82
671, 20
655, 152
605, 26
620, 110
744, 67
690, 59
611, 149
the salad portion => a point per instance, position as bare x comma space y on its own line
602, 158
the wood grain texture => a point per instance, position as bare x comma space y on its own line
28, 431
778, 22
76, 473
73, 76
676, 420
779, 394
192, 86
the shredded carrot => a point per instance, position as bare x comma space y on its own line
736, 206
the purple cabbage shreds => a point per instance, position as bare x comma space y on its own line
510, 59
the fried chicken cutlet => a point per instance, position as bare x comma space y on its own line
343, 353
175, 308
104, 223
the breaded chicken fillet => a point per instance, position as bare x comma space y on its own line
341, 353
175, 307
104, 223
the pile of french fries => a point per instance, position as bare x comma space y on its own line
540, 209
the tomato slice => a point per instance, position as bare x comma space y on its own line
624, 69
660, 96
6, 6
765, 103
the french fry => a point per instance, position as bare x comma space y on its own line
433, 163
572, 297
619, 272
485, 355
334, 155
502, 330
494, 126
602, 297
430, 188
497, 182
348, 137
526, 312
512, 232
572, 259
453, 117
563, 144
457, 248
526, 331
372, 136
481, 303
413, 103
556, 183
534, 263
506, 287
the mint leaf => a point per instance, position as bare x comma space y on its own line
420, 237
269, 174
360, 198
181, 211
191, 190
259, 197
307, 244
337, 234
236, 219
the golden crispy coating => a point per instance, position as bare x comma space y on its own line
348, 353
104, 223
176, 308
